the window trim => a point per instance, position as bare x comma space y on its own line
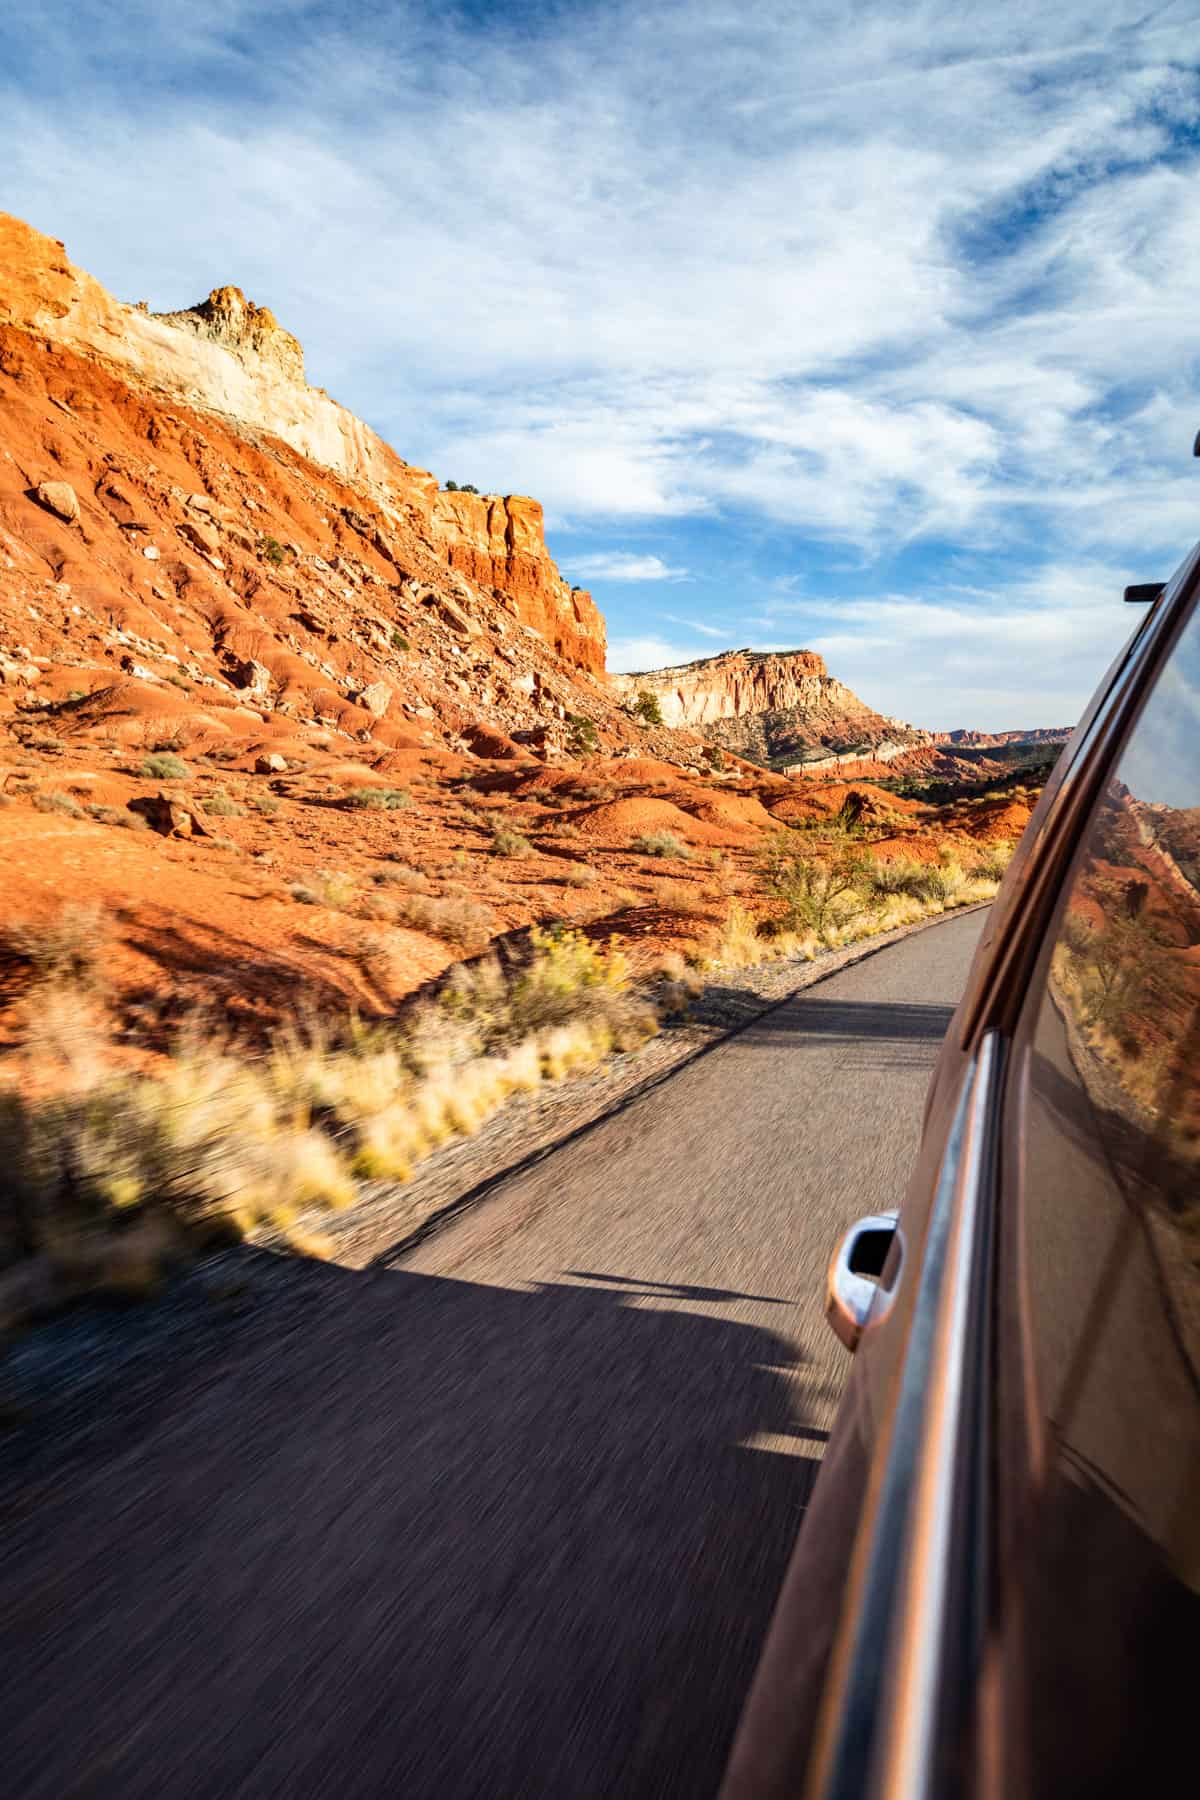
997, 1003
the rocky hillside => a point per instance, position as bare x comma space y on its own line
293, 726
773, 707
232, 360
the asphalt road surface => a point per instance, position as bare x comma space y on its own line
508, 1520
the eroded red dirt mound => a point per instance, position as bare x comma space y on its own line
621, 821
734, 812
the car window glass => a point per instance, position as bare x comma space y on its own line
1102, 1230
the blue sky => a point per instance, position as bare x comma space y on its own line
870, 328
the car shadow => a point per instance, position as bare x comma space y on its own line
296, 1529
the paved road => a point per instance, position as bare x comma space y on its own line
509, 1520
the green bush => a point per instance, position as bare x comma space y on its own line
509, 843
584, 736
905, 876
220, 806
646, 708
661, 843
817, 896
399, 641
165, 766
372, 799
272, 551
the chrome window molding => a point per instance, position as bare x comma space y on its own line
906, 1638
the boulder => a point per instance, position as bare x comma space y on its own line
169, 817
271, 764
59, 497
376, 698
198, 532
453, 616
252, 677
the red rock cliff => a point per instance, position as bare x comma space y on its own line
500, 543
233, 358
734, 684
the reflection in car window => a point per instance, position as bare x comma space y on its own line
1125, 978
1103, 1225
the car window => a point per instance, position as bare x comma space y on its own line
1100, 1259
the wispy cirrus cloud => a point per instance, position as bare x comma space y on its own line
625, 565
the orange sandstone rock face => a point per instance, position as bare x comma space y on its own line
772, 706
231, 357
733, 684
500, 543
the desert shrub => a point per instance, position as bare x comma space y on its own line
944, 884
583, 735
579, 875
68, 949
506, 842
679, 983
661, 843
272, 551
595, 792
646, 707
221, 806
377, 799
164, 765
904, 875
455, 919
817, 896
991, 860
327, 887
715, 756
568, 979
400, 875
677, 896
266, 804
58, 803
399, 641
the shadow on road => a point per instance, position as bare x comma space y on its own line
873, 1034
385, 1533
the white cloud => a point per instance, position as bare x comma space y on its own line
624, 565
628, 655
712, 631
1030, 653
